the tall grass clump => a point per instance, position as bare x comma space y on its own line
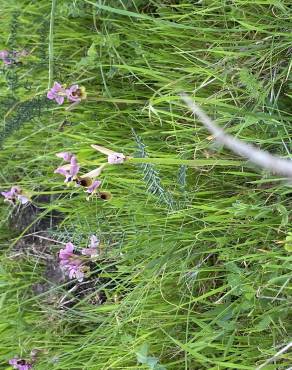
194, 263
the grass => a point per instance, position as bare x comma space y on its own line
195, 265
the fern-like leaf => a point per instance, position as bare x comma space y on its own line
151, 175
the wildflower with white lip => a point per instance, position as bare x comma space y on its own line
92, 250
88, 180
20, 364
112, 156
71, 263
74, 93
15, 194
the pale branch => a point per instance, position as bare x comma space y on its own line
259, 157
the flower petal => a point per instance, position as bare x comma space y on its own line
116, 158
79, 275
59, 99
94, 242
57, 86
69, 247
91, 189
91, 252
74, 167
62, 171
13, 361
95, 173
50, 95
23, 199
65, 155
3, 54
72, 273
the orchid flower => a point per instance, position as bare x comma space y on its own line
112, 157
57, 93
71, 170
91, 250
19, 364
92, 188
71, 263
95, 184
9, 58
73, 94
3, 54
76, 93
15, 194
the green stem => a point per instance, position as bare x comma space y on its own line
114, 100
178, 162
51, 44
187, 162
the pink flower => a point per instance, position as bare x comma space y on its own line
65, 155
71, 172
20, 364
76, 93
92, 188
71, 263
91, 251
4, 54
14, 194
116, 158
112, 157
10, 57
74, 167
8, 61
72, 93
57, 93
75, 272
66, 254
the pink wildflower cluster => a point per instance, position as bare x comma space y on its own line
71, 170
20, 364
72, 263
15, 194
9, 58
73, 94
91, 250
89, 180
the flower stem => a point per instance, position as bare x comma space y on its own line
178, 162
187, 162
51, 44
115, 100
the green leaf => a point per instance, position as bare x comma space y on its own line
143, 358
235, 282
92, 52
142, 353
288, 243
263, 324
284, 213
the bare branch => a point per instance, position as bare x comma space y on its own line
259, 157
283, 350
